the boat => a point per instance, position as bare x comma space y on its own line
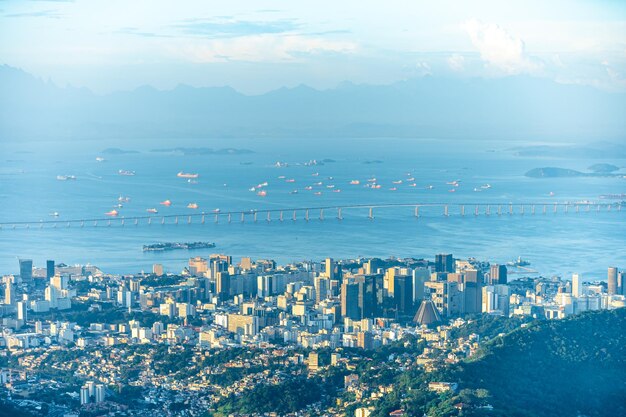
190, 181
551, 193
54, 214
330, 178
337, 190
119, 205
253, 189
355, 182
393, 189
290, 180
429, 187
315, 174
293, 192
186, 175
112, 213
318, 183
413, 185
166, 203
455, 183
216, 210
518, 262
371, 180
330, 186
485, 186
152, 210
397, 182
376, 186
410, 179
100, 159
126, 173
263, 184
66, 177
281, 177
308, 187
123, 199
262, 193
452, 190
192, 206
318, 193
478, 190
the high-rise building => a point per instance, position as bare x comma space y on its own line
350, 300
26, 269
620, 283
446, 296
444, 262
403, 294
197, 266
577, 289
420, 276
222, 285
49, 269
9, 295
22, 313
368, 294
612, 280
472, 291
314, 361
331, 269
100, 393
497, 274
322, 288
84, 395
496, 299
265, 285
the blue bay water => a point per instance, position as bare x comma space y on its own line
555, 244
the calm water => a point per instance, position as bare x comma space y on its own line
561, 244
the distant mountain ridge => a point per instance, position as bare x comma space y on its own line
506, 108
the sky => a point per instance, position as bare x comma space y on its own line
256, 46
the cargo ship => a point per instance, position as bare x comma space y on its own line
186, 175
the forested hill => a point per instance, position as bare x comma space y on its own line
571, 367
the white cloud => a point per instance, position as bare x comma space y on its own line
261, 48
456, 62
499, 49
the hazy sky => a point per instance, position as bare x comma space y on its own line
256, 46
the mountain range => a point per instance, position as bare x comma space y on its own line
515, 108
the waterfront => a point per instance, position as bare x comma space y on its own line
559, 244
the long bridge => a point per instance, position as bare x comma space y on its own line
325, 212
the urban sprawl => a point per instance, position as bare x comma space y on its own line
78, 341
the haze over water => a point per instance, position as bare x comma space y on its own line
554, 244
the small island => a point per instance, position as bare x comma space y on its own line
160, 247
553, 172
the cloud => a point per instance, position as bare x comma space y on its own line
456, 62
51, 14
262, 48
499, 49
226, 27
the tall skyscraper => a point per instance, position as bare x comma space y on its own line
612, 280
222, 285
157, 269
26, 269
444, 262
472, 291
49, 269
350, 300
420, 276
403, 294
368, 295
497, 274
577, 285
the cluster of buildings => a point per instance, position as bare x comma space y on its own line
215, 303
